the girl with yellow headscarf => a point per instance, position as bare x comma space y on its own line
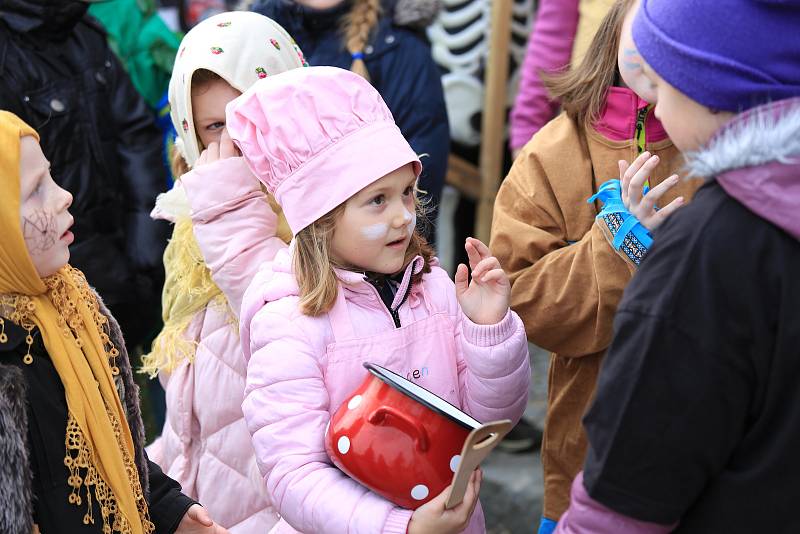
198, 355
71, 436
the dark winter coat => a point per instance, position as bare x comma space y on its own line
58, 74
400, 66
33, 420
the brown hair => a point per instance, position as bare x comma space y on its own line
582, 90
314, 265
357, 27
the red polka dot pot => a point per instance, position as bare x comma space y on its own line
397, 438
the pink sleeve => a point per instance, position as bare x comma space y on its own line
233, 223
549, 49
286, 409
494, 367
587, 516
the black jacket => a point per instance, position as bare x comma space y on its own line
400, 66
58, 74
33, 421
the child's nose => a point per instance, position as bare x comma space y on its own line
400, 216
65, 200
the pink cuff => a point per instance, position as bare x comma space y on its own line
587, 516
489, 335
397, 522
219, 183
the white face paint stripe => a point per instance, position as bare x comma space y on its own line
375, 232
412, 222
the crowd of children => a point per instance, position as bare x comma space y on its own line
298, 254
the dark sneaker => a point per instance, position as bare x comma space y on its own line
524, 437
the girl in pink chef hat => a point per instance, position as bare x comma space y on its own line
358, 283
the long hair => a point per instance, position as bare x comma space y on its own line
314, 265
357, 28
582, 90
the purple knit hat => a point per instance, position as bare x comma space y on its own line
729, 55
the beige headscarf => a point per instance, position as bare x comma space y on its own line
242, 48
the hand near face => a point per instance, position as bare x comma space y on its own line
197, 521
485, 298
633, 178
216, 151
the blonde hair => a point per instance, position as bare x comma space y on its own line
582, 90
314, 266
357, 28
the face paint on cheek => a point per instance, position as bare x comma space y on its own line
39, 231
411, 223
375, 232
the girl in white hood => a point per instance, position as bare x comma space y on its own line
205, 444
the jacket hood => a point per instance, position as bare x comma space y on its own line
756, 159
53, 19
415, 14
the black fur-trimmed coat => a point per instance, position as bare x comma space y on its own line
16, 494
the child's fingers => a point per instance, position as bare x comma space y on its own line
462, 279
668, 210
472, 255
226, 147
495, 275
482, 249
213, 152
467, 506
624, 180
654, 195
635, 165
485, 265
638, 180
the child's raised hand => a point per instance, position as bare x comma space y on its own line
485, 298
633, 178
216, 151
433, 518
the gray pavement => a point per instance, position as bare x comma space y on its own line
511, 494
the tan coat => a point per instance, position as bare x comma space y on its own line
567, 279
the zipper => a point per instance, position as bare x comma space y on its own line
394, 312
641, 136
641, 116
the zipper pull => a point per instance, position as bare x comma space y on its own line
641, 137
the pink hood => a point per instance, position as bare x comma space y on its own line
756, 159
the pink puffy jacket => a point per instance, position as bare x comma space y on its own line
289, 399
205, 444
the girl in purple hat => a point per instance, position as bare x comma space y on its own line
695, 426
358, 284
569, 260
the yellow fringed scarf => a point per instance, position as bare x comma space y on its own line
99, 448
188, 288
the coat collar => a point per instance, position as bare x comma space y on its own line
618, 117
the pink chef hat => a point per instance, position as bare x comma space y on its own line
315, 137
